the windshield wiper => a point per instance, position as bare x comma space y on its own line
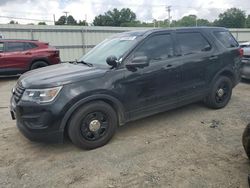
83, 62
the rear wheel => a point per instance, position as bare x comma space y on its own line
220, 93
38, 64
246, 140
93, 125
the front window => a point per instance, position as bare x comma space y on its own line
116, 46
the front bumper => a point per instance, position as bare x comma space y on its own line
40, 136
245, 70
36, 122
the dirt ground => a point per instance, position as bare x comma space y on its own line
192, 146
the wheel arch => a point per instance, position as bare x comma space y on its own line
228, 73
112, 101
39, 59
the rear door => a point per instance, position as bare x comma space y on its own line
198, 57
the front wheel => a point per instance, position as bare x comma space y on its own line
220, 93
93, 125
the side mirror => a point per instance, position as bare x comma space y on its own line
112, 61
138, 62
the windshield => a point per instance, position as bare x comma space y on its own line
117, 46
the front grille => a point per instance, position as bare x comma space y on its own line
18, 92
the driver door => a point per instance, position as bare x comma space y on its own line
150, 89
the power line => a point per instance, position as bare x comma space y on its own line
30, 19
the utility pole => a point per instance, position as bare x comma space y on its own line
54, 17
66, 15
168, 9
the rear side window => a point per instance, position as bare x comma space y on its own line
15, 46
157, 47
192, 43
226, 39
1, 47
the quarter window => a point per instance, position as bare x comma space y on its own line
226, 39
192, 43
157, 47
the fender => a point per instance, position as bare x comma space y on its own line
227, 71
115, 103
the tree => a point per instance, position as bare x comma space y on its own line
13, 22
63, 21
248, 21
186, 21
231, 18
71, 20
203, 22
115, 17
82, 22
42, 23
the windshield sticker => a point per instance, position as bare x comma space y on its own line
128, 38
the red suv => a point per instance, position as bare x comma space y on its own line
18, 56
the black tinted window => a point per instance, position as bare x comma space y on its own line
226, 39
157, 47
15, 46
30, 45
191, 43
1, 47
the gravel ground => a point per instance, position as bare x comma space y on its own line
192, 146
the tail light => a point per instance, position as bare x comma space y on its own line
241, 52
54, 53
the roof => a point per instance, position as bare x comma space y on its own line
149, 31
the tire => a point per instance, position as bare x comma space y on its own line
93, 125
246, 140
220, 93
38, 64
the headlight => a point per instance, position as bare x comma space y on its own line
41, 95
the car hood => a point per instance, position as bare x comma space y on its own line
61, 74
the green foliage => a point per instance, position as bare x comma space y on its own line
42, 23
248, 21
82, 22
13, 22
61, 21
115, 18
232, 18
69, 21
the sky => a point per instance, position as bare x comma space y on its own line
34, 11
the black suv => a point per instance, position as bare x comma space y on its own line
126, 77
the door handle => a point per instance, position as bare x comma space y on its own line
27, 53
213, 57
167, 66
